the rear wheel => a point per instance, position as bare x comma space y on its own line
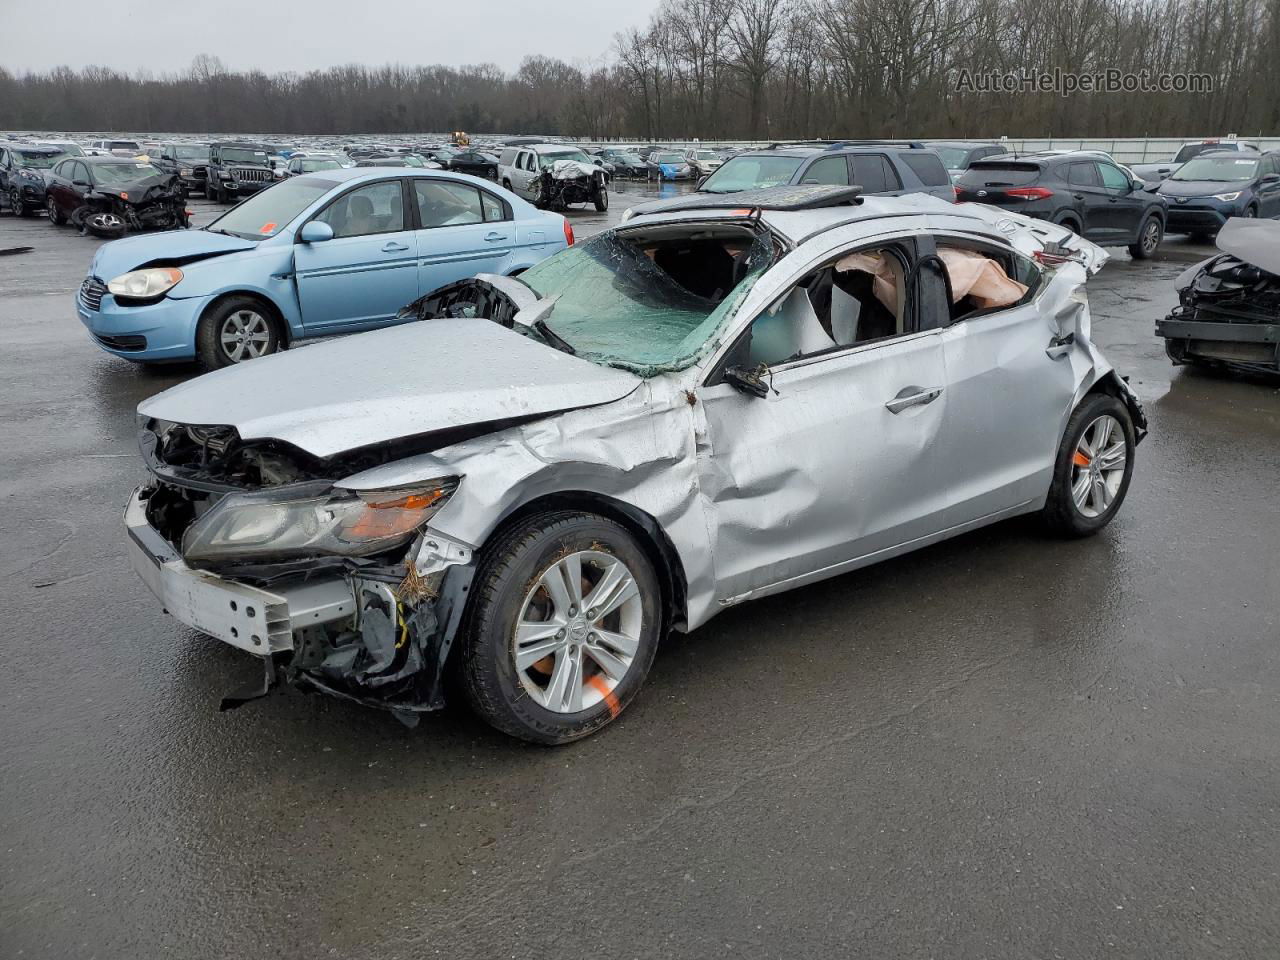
565, 623
236, 330
1092, 471
1149, 238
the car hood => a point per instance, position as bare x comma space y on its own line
404, 381
1200, 188
171, 246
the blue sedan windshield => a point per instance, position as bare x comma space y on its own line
267, 213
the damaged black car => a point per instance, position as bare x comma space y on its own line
1228, 311
109, 197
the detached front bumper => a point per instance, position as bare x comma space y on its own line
256, 621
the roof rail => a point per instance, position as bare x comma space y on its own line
799, 143
911, 144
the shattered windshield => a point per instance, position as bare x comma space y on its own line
751, 171
1220, 169
116, 173
37, 159
191, 153
648, 305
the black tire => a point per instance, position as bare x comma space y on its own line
1149, 237
56, 216
1071, 224
602, 199
104, 224
506, 183
209, 348
1060, 512
1250, 212
209, 192
19, 208
509, 570
223, 196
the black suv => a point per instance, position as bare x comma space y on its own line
22, 175
1084, 192
237, 169
884, 167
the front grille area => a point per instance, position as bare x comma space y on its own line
91, 292
129, 342
251, 174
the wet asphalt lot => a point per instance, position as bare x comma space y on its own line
1002, 746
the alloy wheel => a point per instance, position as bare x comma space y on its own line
578, 631
1097, 466
244, 335
1151, 237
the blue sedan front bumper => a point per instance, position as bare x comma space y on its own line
152, 332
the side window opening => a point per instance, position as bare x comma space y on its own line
853, 299
984, 280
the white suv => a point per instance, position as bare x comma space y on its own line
520, 170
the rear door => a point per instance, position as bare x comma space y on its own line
874, 173
1008, 390
464, 230
368, 271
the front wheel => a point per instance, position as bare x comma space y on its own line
602, 199
19, 208
1149, 238
236, 330
56, 216
566, 618
1092, 471
105, 225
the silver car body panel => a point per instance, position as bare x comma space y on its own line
752, 495
403, 381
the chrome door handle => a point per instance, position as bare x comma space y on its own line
911, 397
492, 237
392, 247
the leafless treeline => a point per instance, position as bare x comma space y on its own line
745, 69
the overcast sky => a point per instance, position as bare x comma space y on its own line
298, 35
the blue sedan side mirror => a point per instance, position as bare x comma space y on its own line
316, 231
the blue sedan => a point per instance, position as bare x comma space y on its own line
320, 254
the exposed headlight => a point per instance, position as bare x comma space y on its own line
184, 171
144, 284
1227, 197
353, 525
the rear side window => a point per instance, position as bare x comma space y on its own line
444, 204
927, 167
508, 158
872, 172
994, 173
1083, 175
833, 170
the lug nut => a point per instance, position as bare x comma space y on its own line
591, 614
560, 634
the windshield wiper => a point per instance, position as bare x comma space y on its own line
553, 338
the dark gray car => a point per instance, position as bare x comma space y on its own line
879, 167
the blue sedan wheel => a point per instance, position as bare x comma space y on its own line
236, 330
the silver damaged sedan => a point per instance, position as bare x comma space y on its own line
517, 493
